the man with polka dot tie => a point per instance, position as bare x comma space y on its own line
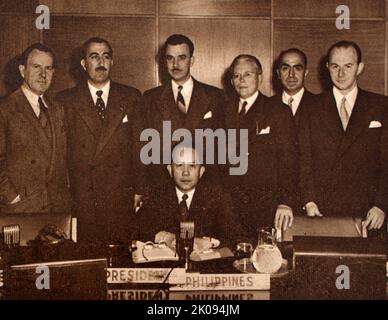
104, 124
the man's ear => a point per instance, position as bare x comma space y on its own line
83, 64
201, 171
306, 72
192, 61
22, 70
327, 65
360, 67
169, 169
278, 73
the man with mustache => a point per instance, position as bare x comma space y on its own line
104, 123
33, 176
292, 71
344, 148
184, 101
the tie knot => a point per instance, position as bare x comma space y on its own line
290, 101
185, 197
99, 93
180, 88
41, 103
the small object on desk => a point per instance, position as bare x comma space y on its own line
11, 235
211, 254
151, 252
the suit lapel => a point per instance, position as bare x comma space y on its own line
25, 109
256, 118
55, 124
199, 104
86, 109
357, 123
168, 108
330, 117
114, 115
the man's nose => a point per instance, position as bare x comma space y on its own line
292, 72
175, 63
43, 73
186, 171
341, 72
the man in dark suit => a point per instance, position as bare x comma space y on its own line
183, 101
265, 194
345, 149
207, 204
292, 71
33, 176
104, 121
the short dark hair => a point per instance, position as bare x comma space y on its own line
247, 57
292, 50
35, 46
86, 44
176, 39
345, 44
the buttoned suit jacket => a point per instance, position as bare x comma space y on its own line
346, 173
31, 164
273, 156
104, 162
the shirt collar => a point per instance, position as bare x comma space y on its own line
190, 195
105, 90
32, 98
187, 86
250, 101
350, 97
297, 97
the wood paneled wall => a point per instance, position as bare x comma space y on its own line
220, 29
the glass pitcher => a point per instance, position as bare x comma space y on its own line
267, 258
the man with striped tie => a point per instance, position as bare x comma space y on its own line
344, 149
182, 100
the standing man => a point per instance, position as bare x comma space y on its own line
345, 149
104, 123
183, 101
292, 71
33, 175
265, 195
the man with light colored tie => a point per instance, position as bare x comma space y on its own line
292, 71
33, 175
344, 147
104, 123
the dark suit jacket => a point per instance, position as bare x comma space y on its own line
272, 173
103, 160
210, 208
346, 173
307, 100
30, 164
159, 105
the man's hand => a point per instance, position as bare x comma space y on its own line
374, 219
312, 210
283, 217
137, 202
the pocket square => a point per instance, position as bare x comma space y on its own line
208, 115
375, 124
125, 119
264, 131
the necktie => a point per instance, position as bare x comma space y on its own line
290, 101
100, 105
43, 113
344, 115
183, 208
180, 101
243, 110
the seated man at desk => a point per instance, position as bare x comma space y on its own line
205, 203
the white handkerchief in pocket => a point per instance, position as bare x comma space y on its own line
125, 119
208, 115
375, 124
264, 131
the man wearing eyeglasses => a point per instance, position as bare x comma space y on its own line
265, 195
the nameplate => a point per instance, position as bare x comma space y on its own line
137, 294
233, 282
145, 275
220, 295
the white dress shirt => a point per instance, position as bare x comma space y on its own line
296, 99
186, 91
250, 101
350, 99
180, 194
105, 92
33, 100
